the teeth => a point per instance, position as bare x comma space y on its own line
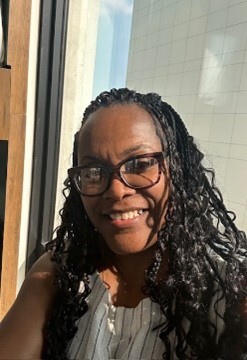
126, 215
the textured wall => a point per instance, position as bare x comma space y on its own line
78, 80
194, 54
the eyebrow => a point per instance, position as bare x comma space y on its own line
132, 149
127, 152
90, 157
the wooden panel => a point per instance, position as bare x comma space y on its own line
18, 53
12, 211
4, 103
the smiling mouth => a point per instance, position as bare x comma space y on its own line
126, 215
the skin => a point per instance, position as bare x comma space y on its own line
130, 242
21, 331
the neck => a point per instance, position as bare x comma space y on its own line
134, 264
124, 276
129, 268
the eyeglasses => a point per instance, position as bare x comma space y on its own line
137, 172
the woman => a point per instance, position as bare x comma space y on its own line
149, 263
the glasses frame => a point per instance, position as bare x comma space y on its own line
114, 171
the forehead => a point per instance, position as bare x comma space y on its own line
118, 127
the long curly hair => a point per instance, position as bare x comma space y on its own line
199, 232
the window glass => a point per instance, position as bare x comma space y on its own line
112, 47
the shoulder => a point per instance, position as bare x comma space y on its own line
24, 323
38, 288
42, 272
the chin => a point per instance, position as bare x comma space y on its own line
130, 248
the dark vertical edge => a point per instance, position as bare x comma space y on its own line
5, 20
55, 118
42, 111
3, 181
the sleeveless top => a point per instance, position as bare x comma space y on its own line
107, 332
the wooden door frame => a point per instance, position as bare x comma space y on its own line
52, 47
17, 60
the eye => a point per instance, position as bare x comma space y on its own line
140, 165
91, 175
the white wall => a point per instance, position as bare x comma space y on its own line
78, 81
194, 54
30, 119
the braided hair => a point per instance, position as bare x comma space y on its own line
199, 232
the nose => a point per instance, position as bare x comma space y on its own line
117, 189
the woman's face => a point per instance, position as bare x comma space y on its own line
109, 136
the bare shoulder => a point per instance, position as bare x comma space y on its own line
44, 263
43, 269
24, 323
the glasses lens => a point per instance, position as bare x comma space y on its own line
91, 180
140, 172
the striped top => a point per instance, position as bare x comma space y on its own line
107, 332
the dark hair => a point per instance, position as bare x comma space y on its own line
207, 252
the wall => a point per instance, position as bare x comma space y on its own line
78, 81
29, 137
194, 54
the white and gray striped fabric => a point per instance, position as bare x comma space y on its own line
107, 332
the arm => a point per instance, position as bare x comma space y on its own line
21, 331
